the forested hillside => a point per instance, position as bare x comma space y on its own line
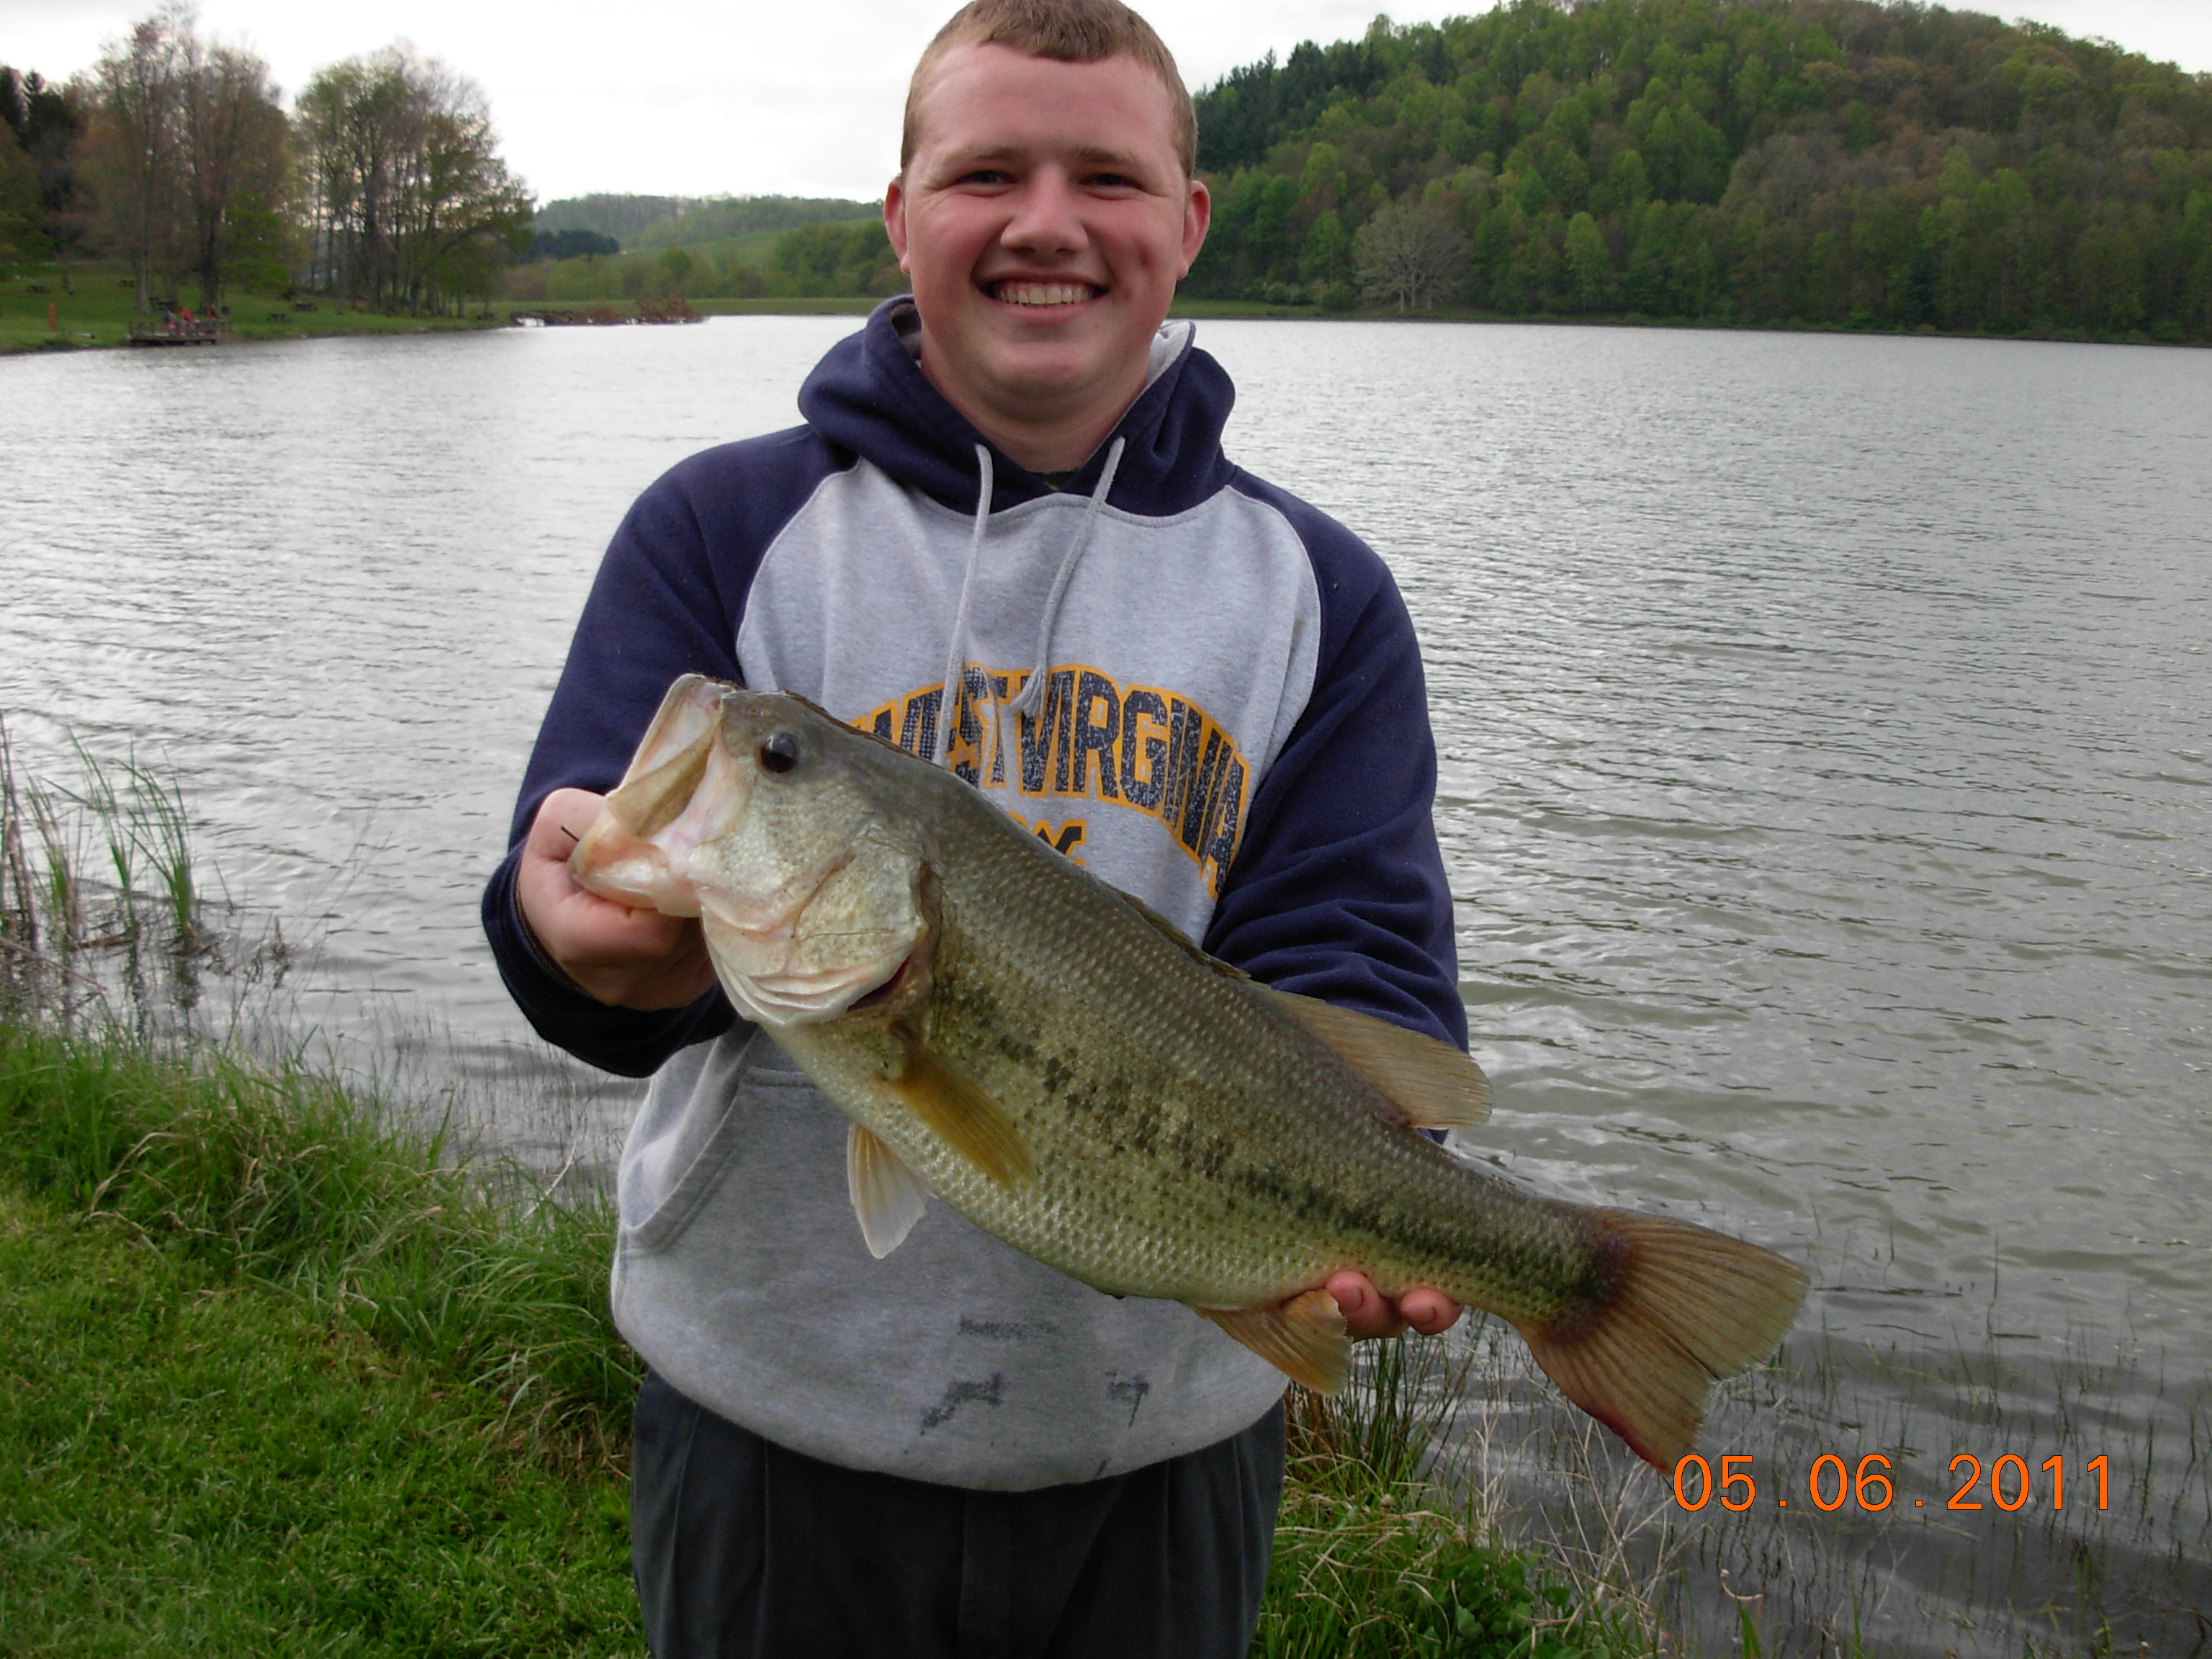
1821, 161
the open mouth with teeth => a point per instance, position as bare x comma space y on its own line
1027, 293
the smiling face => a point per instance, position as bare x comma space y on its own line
1044, 220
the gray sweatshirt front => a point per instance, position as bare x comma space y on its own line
1227, 724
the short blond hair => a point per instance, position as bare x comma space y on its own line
1069, 32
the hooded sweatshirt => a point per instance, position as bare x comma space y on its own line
1199, 687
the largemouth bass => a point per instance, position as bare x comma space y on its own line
967, 997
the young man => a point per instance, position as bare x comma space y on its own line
1006, 538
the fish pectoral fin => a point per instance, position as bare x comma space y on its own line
1304, 1338
888, 1197
970, 1122
1684, 1307
1432, 1085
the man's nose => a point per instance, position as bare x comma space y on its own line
1046, 219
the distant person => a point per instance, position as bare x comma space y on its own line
956, 1450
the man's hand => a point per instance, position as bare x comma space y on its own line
1368, 1312
625, 958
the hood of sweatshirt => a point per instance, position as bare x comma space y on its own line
868, 395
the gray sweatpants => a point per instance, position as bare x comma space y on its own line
745, 1550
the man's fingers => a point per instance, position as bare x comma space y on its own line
1430, 1312
1368, 1313
562, 819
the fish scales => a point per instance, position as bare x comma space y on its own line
1237, 1159
1014, 1037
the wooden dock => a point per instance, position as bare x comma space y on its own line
175, 331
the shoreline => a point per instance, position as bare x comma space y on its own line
266, 321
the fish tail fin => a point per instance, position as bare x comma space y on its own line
1683, 1307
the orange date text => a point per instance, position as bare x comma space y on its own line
2008, 1483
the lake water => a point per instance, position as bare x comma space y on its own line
1827, 724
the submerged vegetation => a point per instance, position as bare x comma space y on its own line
1832, 161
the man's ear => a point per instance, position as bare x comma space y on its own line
895, 218
1197, 215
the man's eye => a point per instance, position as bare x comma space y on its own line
985, 176
1110, 181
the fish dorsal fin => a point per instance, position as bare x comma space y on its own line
887, 1196
1304, 1338
1432, 1085
970, 1122
1176, 936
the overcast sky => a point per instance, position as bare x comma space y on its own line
693, 98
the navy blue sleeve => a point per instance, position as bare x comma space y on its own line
667, 601
1338, 888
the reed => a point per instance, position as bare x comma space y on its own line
1389, 1542
19, 908
96, 794
94, 870
161, 829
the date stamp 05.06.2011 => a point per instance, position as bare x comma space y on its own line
1831, 1484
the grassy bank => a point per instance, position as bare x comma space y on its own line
286, 1373
193, 1463
99, 304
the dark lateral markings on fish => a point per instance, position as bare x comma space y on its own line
1010, 1036
964, 1391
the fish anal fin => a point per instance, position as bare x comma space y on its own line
974, 1126
1303, 1337
888, 1198
1683, 1307
1432, 1085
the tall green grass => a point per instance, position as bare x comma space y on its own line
380, 1223
1388, 1545
274, 1174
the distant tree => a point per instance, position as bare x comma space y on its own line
134, 153
831, 259
1871, 162
20, 209
741, 279
1410, 256
413, 207
48, 124
1327, 257
233, 165
571, 244
1589, 265
675, 266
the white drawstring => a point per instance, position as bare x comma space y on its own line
1031, 696
956, 660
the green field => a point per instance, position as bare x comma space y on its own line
97, 310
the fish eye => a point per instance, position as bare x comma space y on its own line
779, 752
